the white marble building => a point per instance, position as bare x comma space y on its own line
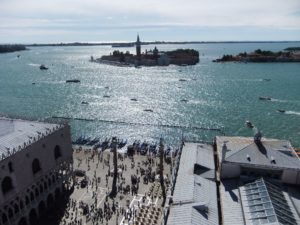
35, 162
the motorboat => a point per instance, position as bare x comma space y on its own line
84, 103
133, 99
184, 100
148, 110
281, 110
43, 67
265, 98
266, 79
249, 124
73, 81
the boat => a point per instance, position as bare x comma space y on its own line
265, 98
281, 110
148, 110
73, 81
152, 148
105, 144
249, 124
133, 99
184, 100
182, 80
43, 67
106, 96
266, 79
84, 103
93, 141
122, 143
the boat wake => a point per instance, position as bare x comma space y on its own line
34, 64
52, 82
198, 102
277, 100
292, 113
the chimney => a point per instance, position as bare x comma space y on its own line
248, 158
224, 150
257, 138
257, 141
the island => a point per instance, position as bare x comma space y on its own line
292, 49
11, 48
153, 57
263, 56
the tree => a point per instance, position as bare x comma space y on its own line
161, 171
258, 51
113, 192
122, 57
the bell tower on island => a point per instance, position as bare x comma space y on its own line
138, 47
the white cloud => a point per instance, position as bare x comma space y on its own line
94, 14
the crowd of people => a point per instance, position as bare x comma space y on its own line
94, 178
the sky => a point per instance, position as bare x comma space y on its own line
55, 21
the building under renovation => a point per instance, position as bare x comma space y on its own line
35, 163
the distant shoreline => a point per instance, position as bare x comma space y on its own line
152, 43
12, 48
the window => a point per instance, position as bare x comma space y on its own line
57, 152
36, 166
10, 167
4, 218
6, 185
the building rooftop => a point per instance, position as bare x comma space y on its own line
266, 202
232, 213
17, 134
258, 201
268, 152
195, 194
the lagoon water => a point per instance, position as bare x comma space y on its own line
220, 95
